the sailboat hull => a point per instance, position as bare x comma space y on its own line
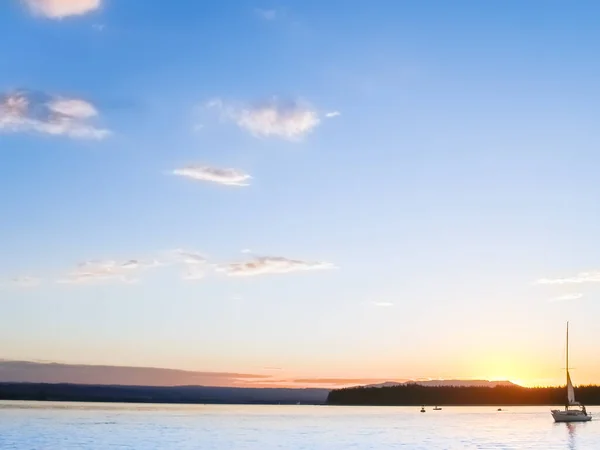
570, 416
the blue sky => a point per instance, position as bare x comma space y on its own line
423, 172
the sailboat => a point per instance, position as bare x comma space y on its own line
577, 413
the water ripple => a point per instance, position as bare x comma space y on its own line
68, 426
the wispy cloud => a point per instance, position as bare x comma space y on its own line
567, 297
192, 264
270, 265
583, 277
22, 282
195, 264
382, 304
107, 271
58, 9
266, 14
289, 120
340, 381
188, 257
24, 111
331, 114
26, 281
228, 177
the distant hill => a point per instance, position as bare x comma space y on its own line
24, 380
160, 394
457, 383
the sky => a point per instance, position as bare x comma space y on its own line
302, 190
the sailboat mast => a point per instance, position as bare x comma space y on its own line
567, 367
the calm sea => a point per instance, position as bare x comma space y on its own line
64, 426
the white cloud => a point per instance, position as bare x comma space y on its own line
332, 114
289, 120
228, 177
383, 304
109, 270
267, 14
270, 264
567, 297
57, 9
23, 111
583, 277
75, 108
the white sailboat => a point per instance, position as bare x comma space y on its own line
577, 413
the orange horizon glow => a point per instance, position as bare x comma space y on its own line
273, 377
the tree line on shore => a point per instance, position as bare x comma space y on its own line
414, 394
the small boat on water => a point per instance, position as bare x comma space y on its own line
423, 408
577, 414
437, 408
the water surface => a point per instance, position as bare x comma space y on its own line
66, 426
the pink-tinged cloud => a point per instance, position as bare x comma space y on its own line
25, 111
58, 9
108, 270
271, 265
339, 381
